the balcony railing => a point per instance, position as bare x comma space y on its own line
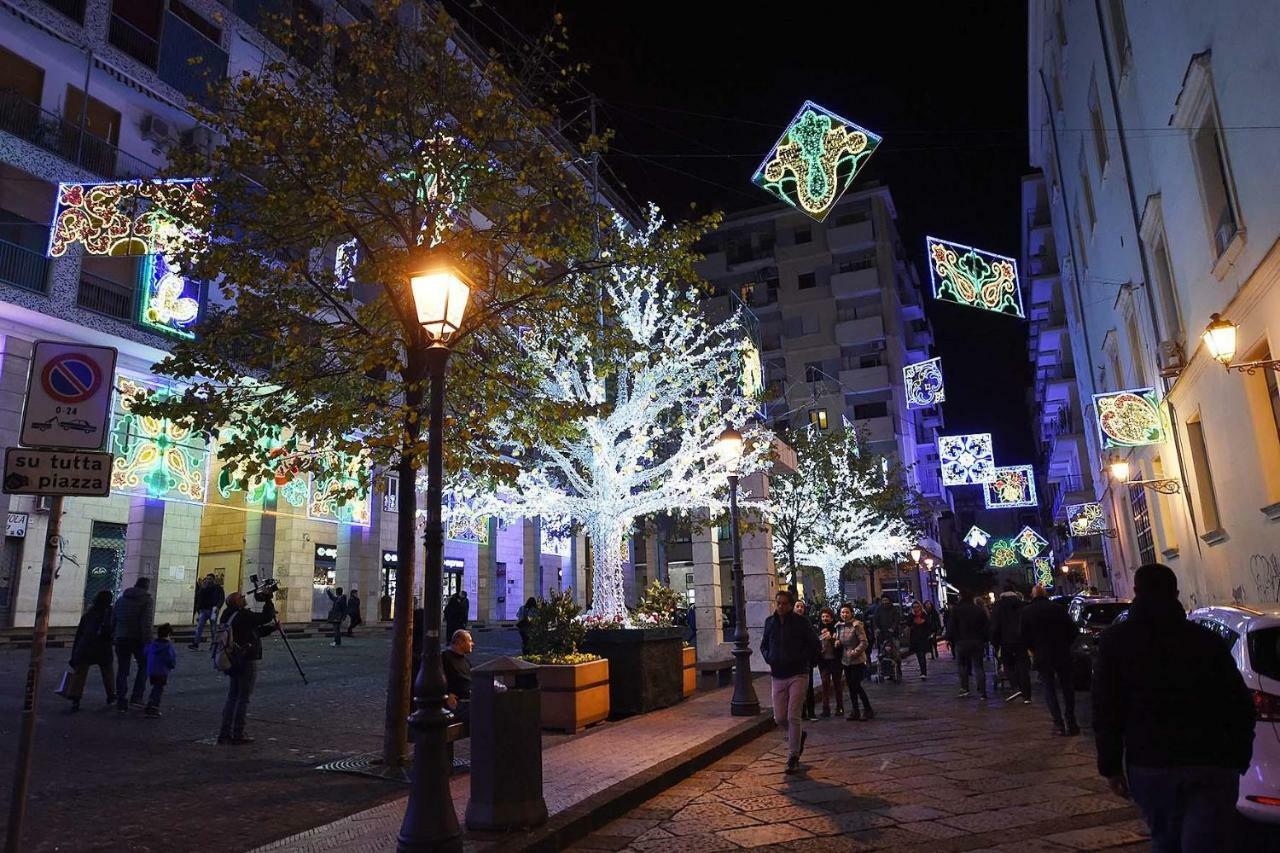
73, 9
23, 267
105, 297
26, 120
182, 43
134, 41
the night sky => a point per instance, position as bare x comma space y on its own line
697, 92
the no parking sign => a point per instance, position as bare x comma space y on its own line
68, 396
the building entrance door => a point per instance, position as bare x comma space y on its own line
106, 561
10, 567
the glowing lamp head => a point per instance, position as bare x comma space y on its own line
1120, 470
915, 554
928, 562
440, 298
729, 449
1066, 569
1220, 338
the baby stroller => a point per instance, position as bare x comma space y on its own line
890, 657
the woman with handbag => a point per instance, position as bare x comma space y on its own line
92, 647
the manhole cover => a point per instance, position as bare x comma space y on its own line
370, 764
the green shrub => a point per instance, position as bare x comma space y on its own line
660, 603
554, 628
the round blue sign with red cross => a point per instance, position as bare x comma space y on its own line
71, 378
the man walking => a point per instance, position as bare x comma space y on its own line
1171, 712
455, 614
789, 645
1048, 631
134, 614
209, 597
1006, 636
354, 619
337, 613
969, 639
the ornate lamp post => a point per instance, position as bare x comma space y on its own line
1220, 339
1119, 469
744, 702
430, 823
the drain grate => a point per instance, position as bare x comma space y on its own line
370, 764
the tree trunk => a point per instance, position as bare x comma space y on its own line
608, 597
395, 735
791, 563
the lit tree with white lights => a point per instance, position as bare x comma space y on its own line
645, 396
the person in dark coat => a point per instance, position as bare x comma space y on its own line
919, 632
969, 637
1047, 631
935, 627
209, 597
455, 614
247, 630
1006, 636
524, 620
134, 618
789, 646
337, 613
457, 673
1172, 714
354, 619
92, 647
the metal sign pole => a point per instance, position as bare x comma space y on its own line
26, 737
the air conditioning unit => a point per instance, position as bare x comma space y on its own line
1172, 358
199, 138
157, 129
1224, 235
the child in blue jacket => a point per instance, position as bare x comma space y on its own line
161, 660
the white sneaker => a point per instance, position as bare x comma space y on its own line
1014, 695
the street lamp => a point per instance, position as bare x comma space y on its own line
430, 823
928, 563
915, 554
744, 702
1220, 339
1119, 469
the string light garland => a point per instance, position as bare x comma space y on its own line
972, 277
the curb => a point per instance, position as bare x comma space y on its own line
579, 821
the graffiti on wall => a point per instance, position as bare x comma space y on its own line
1265, 570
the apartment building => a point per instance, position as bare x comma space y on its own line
839, 311
1155, 126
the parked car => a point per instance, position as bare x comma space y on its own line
1092, 615
1254, 640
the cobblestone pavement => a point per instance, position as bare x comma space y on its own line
932, 772
103, 781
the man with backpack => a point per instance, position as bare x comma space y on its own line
237, 650
1006, 636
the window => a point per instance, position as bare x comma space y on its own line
1211, 164
1136, 354
813, 372
818, 418
390, 494
798, 327
1086, 191
807, 280
1099, 128
803, 235
863, 411
1206, 494
1273, 391
100, 120
771, 289
873, 360
1120, 34
853, 217
20, 77
1080, 244
197, 21
1169, 312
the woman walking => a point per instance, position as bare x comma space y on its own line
852, 639
92, 647
935, 627
919, 634
829, 664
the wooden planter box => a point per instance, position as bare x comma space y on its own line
646, 667
574, 696
690, 671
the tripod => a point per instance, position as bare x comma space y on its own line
289, 648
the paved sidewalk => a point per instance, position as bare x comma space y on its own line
932, 772
586, 780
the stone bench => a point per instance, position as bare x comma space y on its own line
715, 673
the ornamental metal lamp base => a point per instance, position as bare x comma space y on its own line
745, 703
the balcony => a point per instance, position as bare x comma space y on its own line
189, 61
855, 283
877, 429
855, 235
103, 296
859, 331
863, 379
23, 267
26, 120
797, 251
133, 41
73, 9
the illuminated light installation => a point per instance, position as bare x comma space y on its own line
923, 381
463, 522
155, 457
977, 537
814, 160
170, 302
972, 277
337, 495
1003, 553
1029, 543
1129, 418
1043, 567
966, 459
287, 483
1013, 486
1086, 519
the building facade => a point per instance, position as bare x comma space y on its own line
840, 314
1155, 126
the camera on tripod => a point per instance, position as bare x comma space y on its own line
263, 590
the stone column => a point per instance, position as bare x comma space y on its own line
177, 567
15, 362
759, 574
142, 540
259, 547
531, 560
360, 556
707, 598
486, 570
